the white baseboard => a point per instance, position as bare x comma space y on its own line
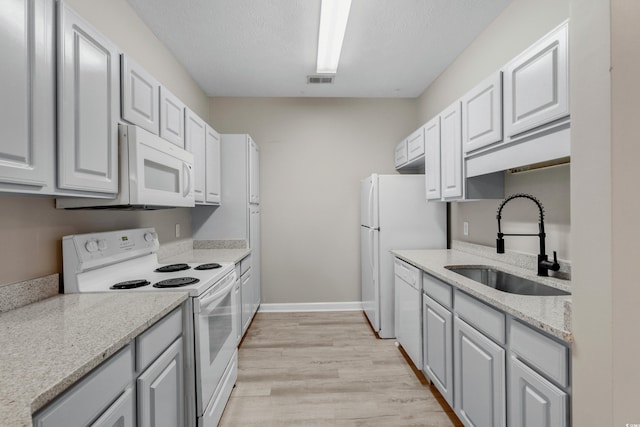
311, 306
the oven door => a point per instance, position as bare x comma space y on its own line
215, 322
160, 173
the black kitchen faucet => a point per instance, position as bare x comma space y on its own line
544, 265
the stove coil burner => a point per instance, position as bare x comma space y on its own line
176, 283
172, 268
131, 284
209, 266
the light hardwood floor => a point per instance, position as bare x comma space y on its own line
327, 369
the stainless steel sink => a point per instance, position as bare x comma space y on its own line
505, 282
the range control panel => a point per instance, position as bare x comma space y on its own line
88, 251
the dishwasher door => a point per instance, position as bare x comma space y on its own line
408, 310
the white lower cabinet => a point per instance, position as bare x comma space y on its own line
437, 329
246, 293
141, 385
161, 390
479, 366
120, 414
533, 400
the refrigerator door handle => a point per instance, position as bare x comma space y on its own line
371, 260
371, 224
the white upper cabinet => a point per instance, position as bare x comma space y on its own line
140, 93
482, 114
451, 152
195, 133
254, 172
27, 85
536, 84
401, 154
432, 158
172, 112
415, 145
213, 171
88, 106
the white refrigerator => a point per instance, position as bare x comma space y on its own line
394, 215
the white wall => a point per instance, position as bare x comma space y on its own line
31, 228
520, 24
314, 151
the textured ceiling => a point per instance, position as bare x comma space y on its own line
266, 48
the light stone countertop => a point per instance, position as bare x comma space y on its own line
47, 346
208, 255
550, 313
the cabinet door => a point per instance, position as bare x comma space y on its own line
534, 401
437, 329
479, 387
254, 172
161, 390
536, 84
482, 114
195, 134
140, 96
451, 146
27, 118
213, 172
237, 294
88, 106
432, 158
254, 244
120, 414
401, 154
415, 144
247, 300
172, 112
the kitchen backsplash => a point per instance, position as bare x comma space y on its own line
19, 294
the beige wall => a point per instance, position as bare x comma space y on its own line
313, 153
605, 67
521, 24
31, 228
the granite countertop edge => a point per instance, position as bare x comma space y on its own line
548, 313
51, 367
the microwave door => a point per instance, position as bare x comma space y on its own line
161, 175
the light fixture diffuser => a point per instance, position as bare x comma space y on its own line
333, 23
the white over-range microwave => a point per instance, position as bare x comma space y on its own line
154, 174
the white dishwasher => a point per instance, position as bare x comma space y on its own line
408, 309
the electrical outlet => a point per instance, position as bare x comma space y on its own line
177, 230
465, 227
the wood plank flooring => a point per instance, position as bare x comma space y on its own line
327, 369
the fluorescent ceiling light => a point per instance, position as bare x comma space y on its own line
333, 23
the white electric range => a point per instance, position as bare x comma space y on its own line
126, 261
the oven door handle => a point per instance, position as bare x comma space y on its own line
208, 299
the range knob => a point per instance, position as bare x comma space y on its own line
102, 244
150, 237
91, 246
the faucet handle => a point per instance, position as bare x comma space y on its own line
555, 266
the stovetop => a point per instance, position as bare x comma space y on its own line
128, 259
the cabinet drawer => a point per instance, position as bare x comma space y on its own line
245, 264
407, 273
489, 320
154, 341
92, 395
437, 290
543, 353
